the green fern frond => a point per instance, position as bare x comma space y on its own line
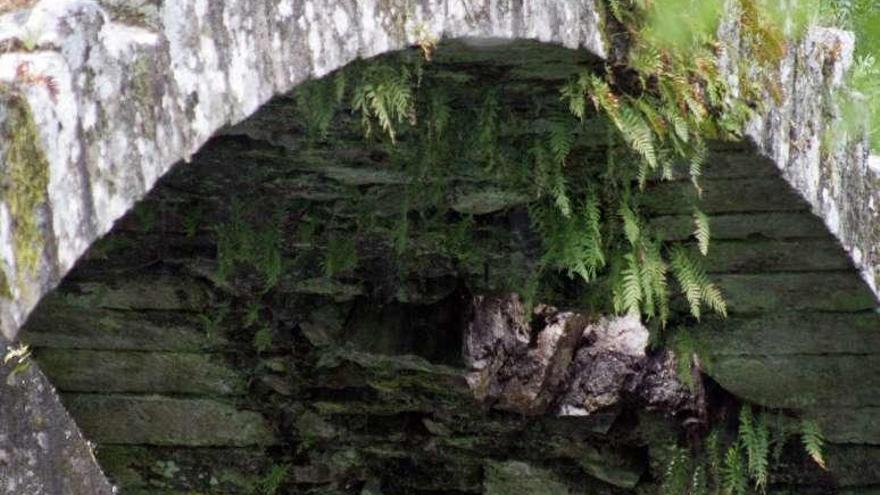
561, 140
690, 278
779, 436
813, 440
695, 284
577, 100
702, 231
341, 256
631, 286
677, 476
713, 298
654, 283
713, 454
696, 159
386, 95
631, 227
637, 133
699, 481
317, 103
754, 435
646, 58
733, 473
573, 243
488, 130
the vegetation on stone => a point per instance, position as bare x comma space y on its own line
399, 188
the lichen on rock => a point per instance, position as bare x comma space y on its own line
26, 179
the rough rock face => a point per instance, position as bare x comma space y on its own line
39, 440
562, 362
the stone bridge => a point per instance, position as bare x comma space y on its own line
137, 89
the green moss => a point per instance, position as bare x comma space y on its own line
25, 189
5, 290
141, 80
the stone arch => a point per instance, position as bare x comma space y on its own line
87, 129
777, 256
140, 88
138, 91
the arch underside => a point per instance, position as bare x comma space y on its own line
149, 90
148, 348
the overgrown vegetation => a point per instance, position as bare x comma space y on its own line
653, 107
739, 464
863, 18
577, 161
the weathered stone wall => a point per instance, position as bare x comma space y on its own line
41, 448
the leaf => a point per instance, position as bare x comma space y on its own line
561, 141
754, 435
631, 288
263, 339
734, 480
631, 227
702, 231
811, 436
637, 134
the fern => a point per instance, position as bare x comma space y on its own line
386, 95
488, 130
754, 435
677, 477
631, 286
240, 242
631, 227
733, 473
637, 134
697, 158
811, 436
561, 140
271, 483
654, 285
713, 454
699, 481
550, 177
318, 103
263, 339
695, 284
702, 231
573, 244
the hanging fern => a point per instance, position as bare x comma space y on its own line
702, 231
488, 130
695, 284
811, 436
734, 478
318, 102
677, 477
713, 454
754, 435
385, 94
572, 244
